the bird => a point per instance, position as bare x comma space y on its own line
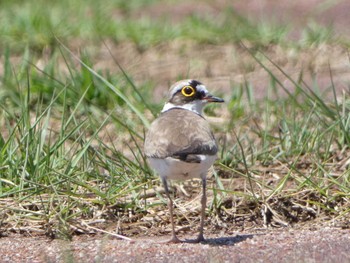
180, 145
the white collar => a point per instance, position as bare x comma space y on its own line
195, 106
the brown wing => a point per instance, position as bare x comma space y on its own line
181, 134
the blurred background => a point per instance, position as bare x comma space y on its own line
161, 41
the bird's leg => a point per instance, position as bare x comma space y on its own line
174, 238
200, 237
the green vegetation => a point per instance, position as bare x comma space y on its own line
71, 137
37, 25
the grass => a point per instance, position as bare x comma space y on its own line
37, 25
71, 158
54, 142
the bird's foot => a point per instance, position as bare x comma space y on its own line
199, 239
173, 240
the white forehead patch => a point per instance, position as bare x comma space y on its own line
202, 88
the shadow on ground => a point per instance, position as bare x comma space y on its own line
225, 241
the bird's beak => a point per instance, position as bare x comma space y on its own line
211, 98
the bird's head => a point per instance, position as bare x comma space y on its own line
189, 94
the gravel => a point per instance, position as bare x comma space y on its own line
284, 245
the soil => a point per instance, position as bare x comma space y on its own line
310, 243
291, 245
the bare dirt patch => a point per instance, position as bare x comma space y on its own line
324, 245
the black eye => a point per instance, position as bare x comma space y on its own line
188, 91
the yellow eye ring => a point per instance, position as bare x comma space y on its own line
188, 91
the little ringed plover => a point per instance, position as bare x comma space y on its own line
179, 144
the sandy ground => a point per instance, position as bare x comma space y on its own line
293, 245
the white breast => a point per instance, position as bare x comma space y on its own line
171, 168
